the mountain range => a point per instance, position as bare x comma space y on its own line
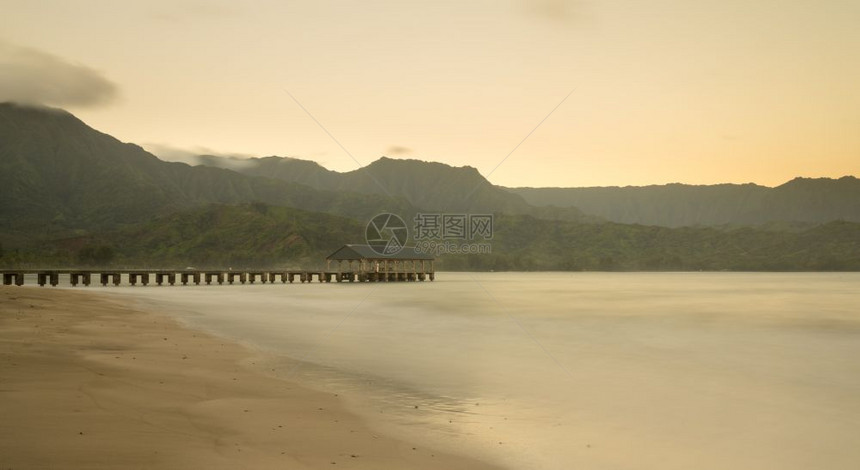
68, 191
436, 186
428, 186
804, 200
58, 174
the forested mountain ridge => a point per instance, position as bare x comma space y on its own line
73, 196
58, 173
805, 200
430, 186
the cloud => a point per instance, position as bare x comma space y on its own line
398, 150
30, 76
169, 153
198, 156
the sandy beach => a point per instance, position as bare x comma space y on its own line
86, 382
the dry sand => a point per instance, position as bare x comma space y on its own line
86, 382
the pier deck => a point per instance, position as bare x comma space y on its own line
133, 277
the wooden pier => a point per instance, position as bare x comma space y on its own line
362, 264
162, 277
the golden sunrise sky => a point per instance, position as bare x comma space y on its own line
691, 91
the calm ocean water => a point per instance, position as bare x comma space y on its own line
571, 370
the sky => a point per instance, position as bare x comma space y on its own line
529, 92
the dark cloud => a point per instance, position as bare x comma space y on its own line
398, 150
35, 77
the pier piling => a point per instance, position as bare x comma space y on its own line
13, 278
107, 277
358, 271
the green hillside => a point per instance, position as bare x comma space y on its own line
59, 176
72, 196
245, 235
804, 200
524, 243
258, 235
429, 186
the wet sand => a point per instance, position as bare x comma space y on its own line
86, 382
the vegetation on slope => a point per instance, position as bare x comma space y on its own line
259, 235
808, 200
524, 243
59, 176
72, 196
241, 236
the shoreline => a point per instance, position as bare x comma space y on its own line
87, 382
